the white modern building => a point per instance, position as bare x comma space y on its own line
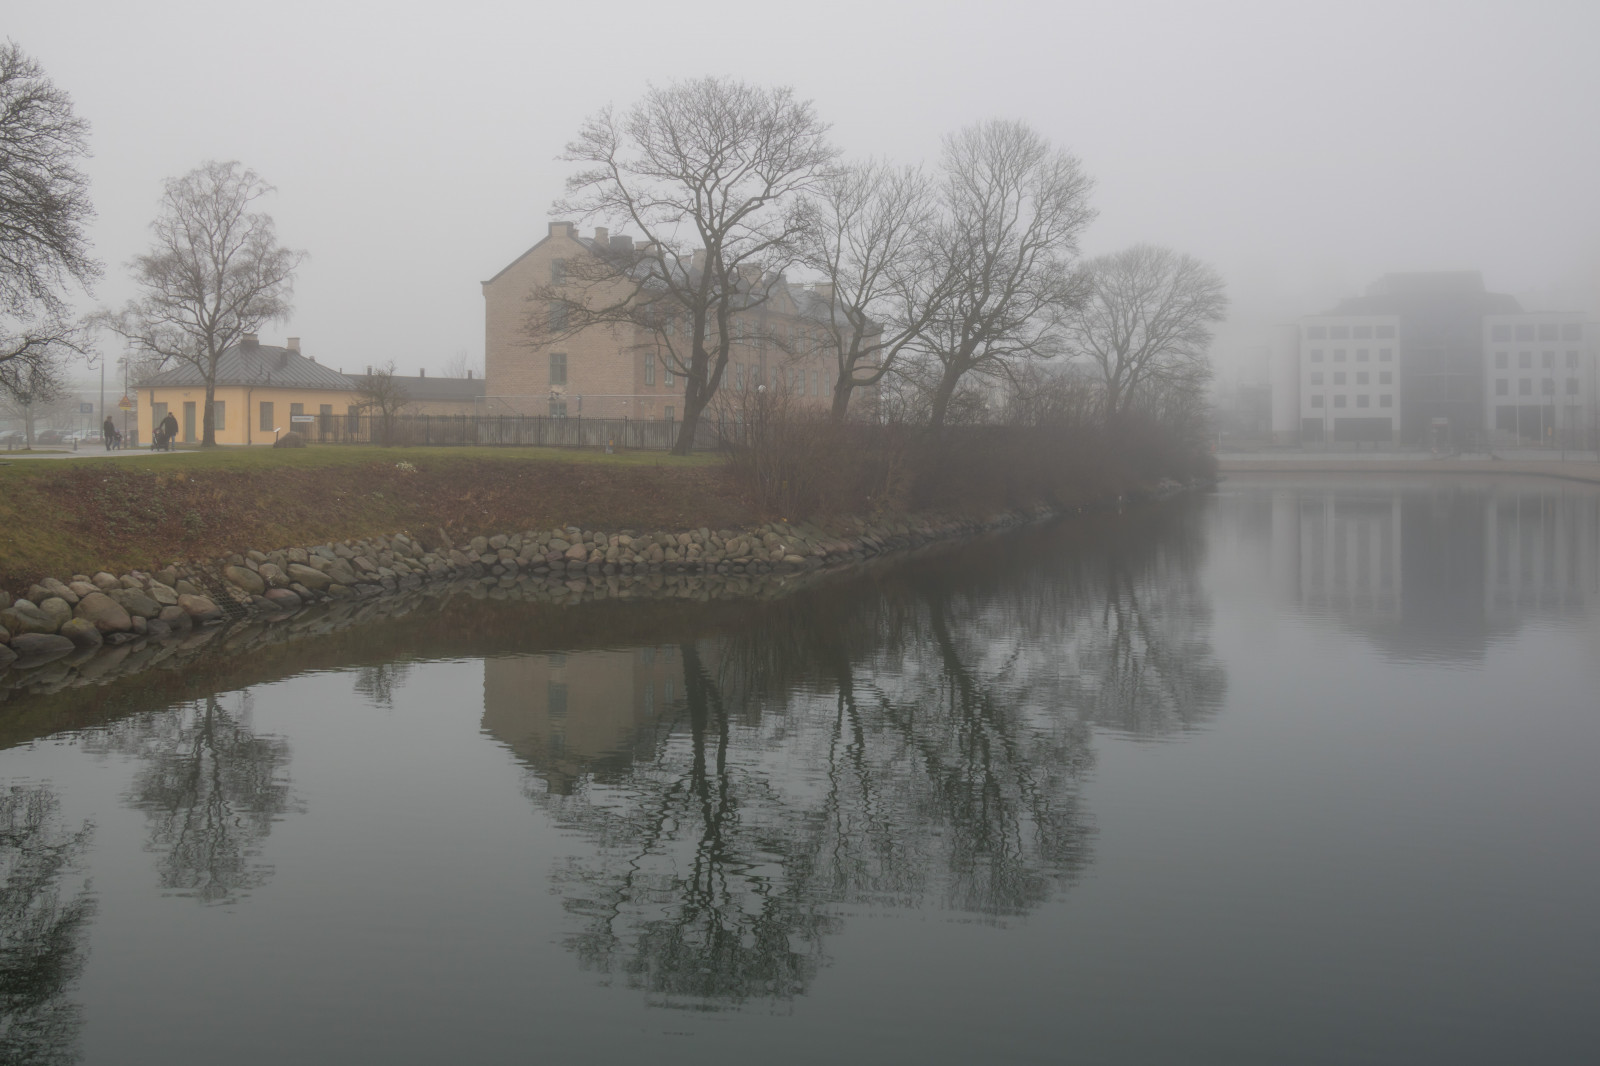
1540, 379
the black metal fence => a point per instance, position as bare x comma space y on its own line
514, 431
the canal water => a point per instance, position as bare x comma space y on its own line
1298, 771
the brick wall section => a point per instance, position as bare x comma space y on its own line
606, 375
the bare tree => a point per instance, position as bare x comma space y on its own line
44, 207
1146, 322
382, 396
461, 365
215, 273
32, 388
869, 243
1002, 256
711, 172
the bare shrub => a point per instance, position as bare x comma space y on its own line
290, 439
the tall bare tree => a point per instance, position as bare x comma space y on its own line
1002, 256
1146, 322
44, 207
382, 396
711, 173
215, 273
870, 244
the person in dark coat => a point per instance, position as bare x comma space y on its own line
108, 433
169, 430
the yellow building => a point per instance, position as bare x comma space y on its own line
263, 391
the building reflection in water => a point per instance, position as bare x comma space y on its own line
1431, 569
917, 740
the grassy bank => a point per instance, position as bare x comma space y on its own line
65, 517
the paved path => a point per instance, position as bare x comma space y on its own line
81, 453
1546, 464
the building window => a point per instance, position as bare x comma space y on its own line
1385, 333
1549, 360
558, 271
671, 412
1316, 333
1338, 401
1339, 333
1500, 360
1361, 377
1316, 401
1363, 400
558, 407
1524, 359
1501, 333
1363, 332
352, 419
295, 409
1316, 378
219, 415
738, 377
1547, 331
1548, 386
1362, 355
1572, 386
1572, 360
1338, 355
1525, 387
1385, 355
1339, 377
558, 316
1316, 355
667, 376
1502, 387
1572, 331
266, 416
1386, 400
1525, 332
558, 368
649, 370
1385, 378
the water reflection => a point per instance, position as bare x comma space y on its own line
42, 927
1439, 569
916, 743
210, 788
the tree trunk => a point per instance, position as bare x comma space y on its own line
841, 398
208, 430
694, 402
941, 398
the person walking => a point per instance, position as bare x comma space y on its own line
169, 429
108, 433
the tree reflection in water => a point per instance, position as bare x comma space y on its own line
211, 789
41, 933
922, 745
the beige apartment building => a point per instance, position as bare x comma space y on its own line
622, 371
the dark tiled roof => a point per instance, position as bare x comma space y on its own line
263, 364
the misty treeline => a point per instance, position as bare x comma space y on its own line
948, 295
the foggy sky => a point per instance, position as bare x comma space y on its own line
1304, 149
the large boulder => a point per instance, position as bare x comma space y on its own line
58, 610
310, 577
273, 575
135, 602
107, 614
83, 633
165, 595
283, 599
199, 608
245, 578
104, 580
24, 616
56, 588
175, 618
7, 656
34, 649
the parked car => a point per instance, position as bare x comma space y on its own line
12, 438
48, 436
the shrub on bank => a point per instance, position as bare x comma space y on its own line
290, 439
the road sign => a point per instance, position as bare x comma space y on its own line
302, 418
126, 403
86, 408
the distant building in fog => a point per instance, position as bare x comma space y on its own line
1435, 360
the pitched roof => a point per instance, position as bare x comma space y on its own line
261, 364
440, 390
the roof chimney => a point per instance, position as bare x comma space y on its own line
622, 243
469, 375
602, 237
422, 373
294, 344
249, 342
560, 229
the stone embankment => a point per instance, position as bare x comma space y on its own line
71, 622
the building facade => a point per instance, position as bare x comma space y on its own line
623, 371
263, 391
1435, 361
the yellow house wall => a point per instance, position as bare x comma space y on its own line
242, 413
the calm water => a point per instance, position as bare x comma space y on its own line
1296, 772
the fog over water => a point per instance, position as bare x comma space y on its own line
1303, 149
